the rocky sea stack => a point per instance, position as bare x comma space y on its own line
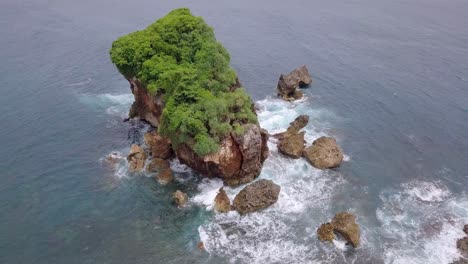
184, 86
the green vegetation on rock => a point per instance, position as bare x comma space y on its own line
178, 57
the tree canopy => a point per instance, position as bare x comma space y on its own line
179, 57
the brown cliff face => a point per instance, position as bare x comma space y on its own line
146, 106
240, 157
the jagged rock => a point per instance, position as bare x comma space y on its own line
461, 261
324, 153
325, 232
113, 159
165, 176
136, 158
462, 245
291, 142
292, 145
256, 196
288, 83
239, 159
159, 146
465, 229
180, 198
345, 224
222, 203
157, 164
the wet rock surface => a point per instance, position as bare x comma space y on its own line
222, 203
288, 83
180, 198
324, 153
165, 176
157, 164
136, 158
345, 224
325, 232
256, 196
160, 147
291, 142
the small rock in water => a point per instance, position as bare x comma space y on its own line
180, 198
465, 229
222, 203
324, 153
157, 164
325, 232
136, 158
201, 246
288, 83
165, 176
256, 196
345, 224
291, 142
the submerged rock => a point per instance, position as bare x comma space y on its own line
222, 203
136, 158
288, 83
325, 232
256, 196
291, 142
345, 224
180, 198
462, 245
324, 153
165, 176
201, 246
159, 146
157, 164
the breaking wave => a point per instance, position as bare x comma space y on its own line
421, 223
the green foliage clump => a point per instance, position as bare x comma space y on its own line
178, 56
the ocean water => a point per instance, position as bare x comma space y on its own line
390, 83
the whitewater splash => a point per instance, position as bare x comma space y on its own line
286, 231
418, 222
112, 104
421, 223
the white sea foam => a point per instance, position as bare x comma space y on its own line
271, 236
421, 223
112, 104
208, 189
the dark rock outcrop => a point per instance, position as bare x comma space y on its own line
465, 229
345, 224
136, 158
256, 196
288, 83
222, 203
324, 153
180, 198
325, 232
160, 147
291, 142
239, 159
